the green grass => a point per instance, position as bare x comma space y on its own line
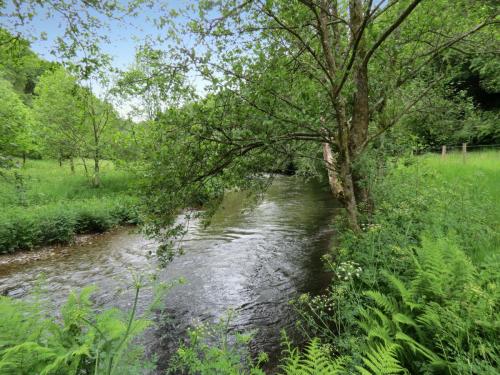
480, 173
46, 182
469, 193
43, 203
417, 290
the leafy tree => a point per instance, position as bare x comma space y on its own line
79, 20
60, 115
321, 80
15, 124
19, 65
153, 80
75, 122
99, 117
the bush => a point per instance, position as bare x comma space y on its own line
46, 204
25, 228
211, 350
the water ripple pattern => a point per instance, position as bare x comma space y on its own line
250, 260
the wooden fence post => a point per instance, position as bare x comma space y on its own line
464, 152
443, 151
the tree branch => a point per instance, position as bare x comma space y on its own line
390, 29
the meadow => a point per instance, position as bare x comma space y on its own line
44, 203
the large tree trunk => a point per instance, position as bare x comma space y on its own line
349, 196
345, 166
360, 109
360, 112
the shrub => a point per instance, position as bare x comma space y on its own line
91, 220
28, 228
211, 350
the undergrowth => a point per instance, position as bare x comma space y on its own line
83, 340
417, 292
44, 204
211, 349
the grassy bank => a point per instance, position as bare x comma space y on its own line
417, 292
43, 203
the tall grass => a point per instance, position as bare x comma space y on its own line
417, 291
480, 168
44, 182
469, 196
43, 203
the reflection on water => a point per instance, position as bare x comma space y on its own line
253, 261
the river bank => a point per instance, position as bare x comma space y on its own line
252, 259
417, 263
45, 204
417, 290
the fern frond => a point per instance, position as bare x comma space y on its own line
382, 360
28, 355
314, 361
407, 295
417, 347
430, 316
401, 318
388, 304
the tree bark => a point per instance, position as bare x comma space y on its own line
97, 177
85, 168
345, 166
72, 165
360, 107
333, 174
349, 196
360, 113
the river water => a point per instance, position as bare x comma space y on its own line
252, 261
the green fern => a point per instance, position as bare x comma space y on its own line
315, 360
386, 303
382, 360
429, 318
30, 343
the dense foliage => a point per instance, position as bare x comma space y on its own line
83, 341
316, 85
342, 91
46, 204
417, 291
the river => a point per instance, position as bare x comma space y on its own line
250, 260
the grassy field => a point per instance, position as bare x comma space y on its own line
43, 203
473, 193
480, 168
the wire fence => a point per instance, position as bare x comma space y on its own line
464, 148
